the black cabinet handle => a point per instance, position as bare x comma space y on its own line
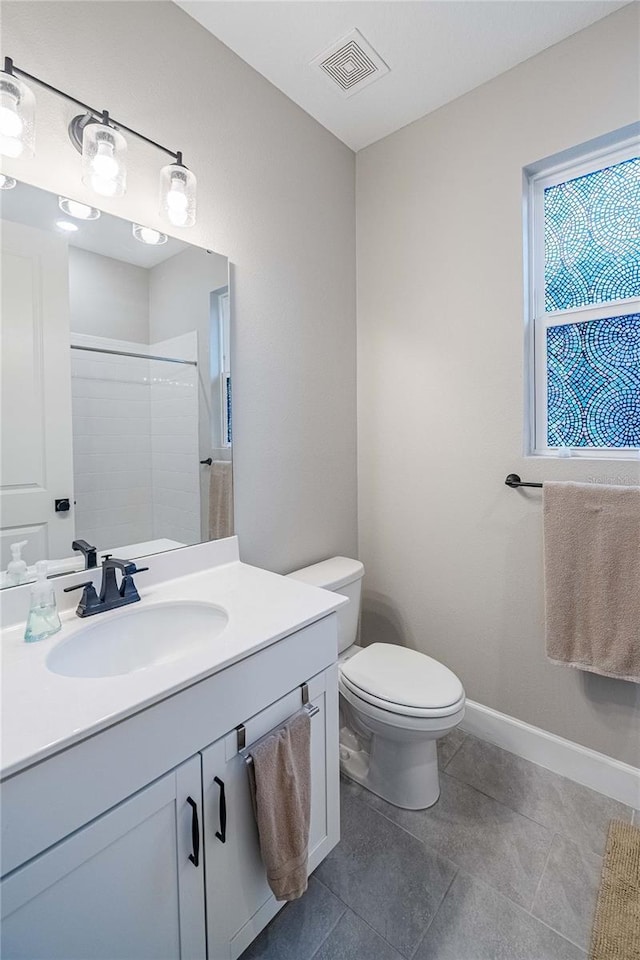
195, 833
221, 834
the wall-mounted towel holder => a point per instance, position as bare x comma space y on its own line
242, 732
514, 481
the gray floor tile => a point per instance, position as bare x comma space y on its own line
300, 927
560, 804
480, 835
476, 923
390, 879
566, 897
353, 939
448, 746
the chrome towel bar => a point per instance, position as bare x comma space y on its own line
242, 731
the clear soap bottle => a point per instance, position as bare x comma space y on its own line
43, 620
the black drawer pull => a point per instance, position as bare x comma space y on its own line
221, 834
195, 833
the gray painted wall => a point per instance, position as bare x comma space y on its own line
276, 195
453, 558
107, 297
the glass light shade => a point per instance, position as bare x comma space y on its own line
80, 211
104, 160
178, 195
147, 235
7, 183
17, 117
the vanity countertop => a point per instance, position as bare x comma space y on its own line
44, 712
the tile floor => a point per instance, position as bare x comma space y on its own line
504, 867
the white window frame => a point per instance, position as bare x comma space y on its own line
537, 320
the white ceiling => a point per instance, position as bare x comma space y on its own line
436, 49
109, 236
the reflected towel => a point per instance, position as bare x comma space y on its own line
280, 778
220, 499
592, 577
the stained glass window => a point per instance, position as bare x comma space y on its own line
592, 238
593, 383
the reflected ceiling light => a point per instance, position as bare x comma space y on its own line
178, 194
17, 116
80, 211
146, 235
7, 183
101, 142
66, 225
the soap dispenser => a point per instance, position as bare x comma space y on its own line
43, 620
17, 569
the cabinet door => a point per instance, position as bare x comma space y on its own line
238, 898
122, 888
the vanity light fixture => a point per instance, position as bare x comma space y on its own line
103, 159
80, 211
178, 194
147, 235
99, 139
7, 183
66, 225
17, 117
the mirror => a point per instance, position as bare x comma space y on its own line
116, 388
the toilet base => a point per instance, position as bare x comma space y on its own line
405, 775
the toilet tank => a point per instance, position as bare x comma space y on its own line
344, 576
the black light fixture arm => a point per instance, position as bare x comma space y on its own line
101, 116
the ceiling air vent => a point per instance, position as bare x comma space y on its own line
351, 63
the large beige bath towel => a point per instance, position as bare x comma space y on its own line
280, 778
221, 499
592, 577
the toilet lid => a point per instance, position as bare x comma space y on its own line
403, 677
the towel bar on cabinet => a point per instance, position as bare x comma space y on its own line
242, 731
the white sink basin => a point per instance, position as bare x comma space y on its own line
137, 638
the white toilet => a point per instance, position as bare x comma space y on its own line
394, 703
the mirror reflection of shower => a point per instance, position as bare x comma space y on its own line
129, 422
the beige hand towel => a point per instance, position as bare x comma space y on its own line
280, 778
220, 499
592, 577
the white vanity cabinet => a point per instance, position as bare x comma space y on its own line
121, 887
99, 840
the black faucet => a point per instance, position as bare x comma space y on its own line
111, 595
90, 553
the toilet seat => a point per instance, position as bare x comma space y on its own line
401, 681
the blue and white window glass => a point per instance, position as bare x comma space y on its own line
585, 305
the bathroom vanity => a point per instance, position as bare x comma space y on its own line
127, 827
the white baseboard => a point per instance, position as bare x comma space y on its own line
596, 770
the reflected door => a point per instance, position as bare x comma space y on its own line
36, 464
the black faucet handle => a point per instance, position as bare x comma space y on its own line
89, 602
78, 586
